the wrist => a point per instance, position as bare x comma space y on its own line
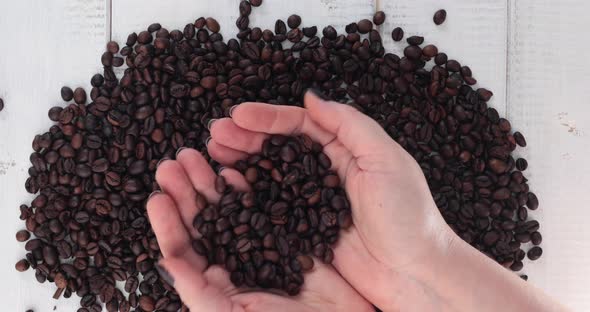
445, 247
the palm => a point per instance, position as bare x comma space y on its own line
381, 251
386, 241
205, 288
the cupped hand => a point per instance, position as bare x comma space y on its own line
187, 184
389, 252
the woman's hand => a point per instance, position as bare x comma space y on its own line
397, 228
187, 184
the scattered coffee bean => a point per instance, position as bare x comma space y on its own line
536, 238
67, 94
521, 164
397, 34
519, 138
439, 17
22, 265
212, 24
379, 18
294, 21
534, 253
23, 235
365, 26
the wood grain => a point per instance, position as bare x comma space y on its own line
548, 101
45, 45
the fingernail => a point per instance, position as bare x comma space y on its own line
207, 141
154, 193
317, 93
211, 121
221, 168
164, 274
231, 110
161, 161
180, 150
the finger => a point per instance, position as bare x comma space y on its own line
275, 119
199, 173
194, 289
225, 132
235, 178
342, 160
172, 236
174, 181
223, 154
293, 120
357, 132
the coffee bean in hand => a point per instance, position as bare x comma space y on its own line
297, 206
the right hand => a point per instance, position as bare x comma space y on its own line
398, 231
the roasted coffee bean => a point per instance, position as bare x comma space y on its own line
519, 138
22, 265
532, 201
439, 17
294, 21
534, 253
67, 94
212, 24
430, 50
146, 303
364, 26
79, 96
379, 18
245, 8
397, 34
521, 164
310, 31
415, 40
23, 235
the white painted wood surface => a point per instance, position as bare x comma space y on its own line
511, 46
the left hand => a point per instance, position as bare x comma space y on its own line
187, 184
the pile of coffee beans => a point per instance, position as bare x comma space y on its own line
93, 170
264, 238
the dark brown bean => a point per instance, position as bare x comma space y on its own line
535, 253
397, 34
379, 18
439, 17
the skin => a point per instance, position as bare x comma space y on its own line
399, 255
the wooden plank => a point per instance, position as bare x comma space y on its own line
136, 15
548, 101
46, 44
474, 33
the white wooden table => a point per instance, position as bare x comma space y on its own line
531, 53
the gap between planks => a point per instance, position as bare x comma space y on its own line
109, 22
508, 50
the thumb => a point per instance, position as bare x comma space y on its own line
360, 134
